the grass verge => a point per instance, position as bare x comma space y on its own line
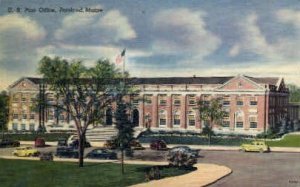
36, 173
287, 141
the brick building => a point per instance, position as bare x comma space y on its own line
254, 104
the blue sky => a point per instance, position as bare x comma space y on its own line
162, 38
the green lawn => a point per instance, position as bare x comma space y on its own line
38, 173
287, 141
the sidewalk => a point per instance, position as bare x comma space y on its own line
204, 175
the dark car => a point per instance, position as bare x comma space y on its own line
102, 154
67, 152
62, 142
184, 149
9, 143
158, 145
39, 142
75, 144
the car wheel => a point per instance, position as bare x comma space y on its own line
15, 154
30, 155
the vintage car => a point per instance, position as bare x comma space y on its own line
9, 143
39, 142
184, 149
75, 144
62, 142
102, 154
67, 152
25, 151
136, 145
158, 145
257, 146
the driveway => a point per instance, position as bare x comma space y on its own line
256, 169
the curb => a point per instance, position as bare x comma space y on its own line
218, 179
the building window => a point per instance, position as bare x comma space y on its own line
23, 127
192, 99
31, 127
226, 124
239, 124
32, 116
15, 126
253, 101
253, 122
135, 101
162, 99
24, 116
162, 118
162, 121
15, 116
226, 101
15, 98
23, 99
239, 101
176, 100
147, 99
176, 120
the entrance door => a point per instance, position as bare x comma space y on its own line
108, 117
135, 117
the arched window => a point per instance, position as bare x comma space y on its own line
239, 119
162, 118
176, 118
191, 120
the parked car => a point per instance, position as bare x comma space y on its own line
184, 149
102, 154
257, 146
62, 142
158, 145
9, 143
75, 144
46, 156
39, 142
136, 145
67, 152
25, 151
111, 144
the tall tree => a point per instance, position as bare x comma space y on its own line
3, 109
294, 93
124, 127
83, 92
213, 113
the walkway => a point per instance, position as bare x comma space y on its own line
204, 175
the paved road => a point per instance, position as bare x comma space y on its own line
256, 169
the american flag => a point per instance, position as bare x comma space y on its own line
120, 57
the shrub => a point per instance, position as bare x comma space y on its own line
270, 134
153, 174
181, 159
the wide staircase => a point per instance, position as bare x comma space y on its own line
101, 133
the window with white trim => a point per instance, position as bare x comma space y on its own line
162, 118
162, 99
253, 122
253, 101
192, 99
176, 100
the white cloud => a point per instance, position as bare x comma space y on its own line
19, 38
284, 48
183, 31
110, 27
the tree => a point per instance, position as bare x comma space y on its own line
3, 109
211, 112
294, 93
124, 127
83, 93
